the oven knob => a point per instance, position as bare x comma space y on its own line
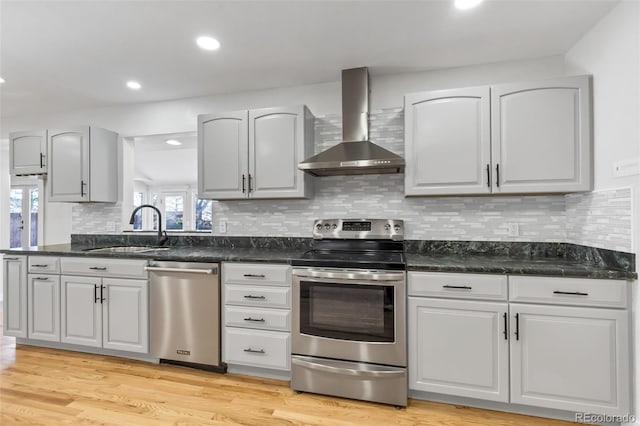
396, 228
334, 226
319, 227
387, 227
327, 226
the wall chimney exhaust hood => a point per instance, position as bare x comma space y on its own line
355, 155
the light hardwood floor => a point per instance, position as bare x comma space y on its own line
49, 387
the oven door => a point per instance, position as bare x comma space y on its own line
350, 315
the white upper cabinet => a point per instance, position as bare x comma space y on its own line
223, 155
448, 142
28, 153
254, 154
83, 165
504, 139
541, 136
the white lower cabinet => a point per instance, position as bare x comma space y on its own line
14, 301
257, 315
570, 358
459, 347
105, 312
44, 307
547, 354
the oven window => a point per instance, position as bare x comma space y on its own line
347, 311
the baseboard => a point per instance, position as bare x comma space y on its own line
86, 349
267, 373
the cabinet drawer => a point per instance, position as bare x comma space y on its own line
258, 348
458, 286
271, 297
104, 267
44, 265
256, 274
268, 319
568, 291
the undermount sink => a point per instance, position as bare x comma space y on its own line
127, 249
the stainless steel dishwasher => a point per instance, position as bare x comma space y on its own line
185, 313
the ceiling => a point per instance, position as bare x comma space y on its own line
67, 55
161, 164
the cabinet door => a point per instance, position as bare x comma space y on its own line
276, 146
125, 315
459, 348
223, 156
44, 307
81, 311
447, 142
569, 358
14, 305
69, 165
541, 136
27, 153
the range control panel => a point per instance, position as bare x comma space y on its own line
366, 229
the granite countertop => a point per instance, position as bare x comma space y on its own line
549, 266
177, 253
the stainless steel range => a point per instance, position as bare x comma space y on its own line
349, 318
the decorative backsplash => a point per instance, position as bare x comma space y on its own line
600, 219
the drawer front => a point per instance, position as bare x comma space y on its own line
104, 267
270, 297
569, 291
457, 286
44, 265
257, 348
261, 318
256, 274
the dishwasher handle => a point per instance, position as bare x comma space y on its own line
182, 270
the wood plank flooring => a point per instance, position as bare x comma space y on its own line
51, 387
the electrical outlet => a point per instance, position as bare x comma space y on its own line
627, 167
513, 229
222, 227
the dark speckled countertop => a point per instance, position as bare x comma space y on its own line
527, 258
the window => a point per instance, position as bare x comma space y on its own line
181, 210
174, 212
138, 200
24, 208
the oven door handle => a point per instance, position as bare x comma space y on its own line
351, 275
348, 371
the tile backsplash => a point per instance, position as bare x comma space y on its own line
600, 219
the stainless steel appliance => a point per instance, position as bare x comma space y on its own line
185, 313
349, 312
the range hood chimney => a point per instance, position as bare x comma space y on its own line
355, 155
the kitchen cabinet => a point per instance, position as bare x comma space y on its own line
560, 343
504, 139
82, 165
255, 154
458, 347
257, 315
27, 153
14, 306
106, 312
44, 307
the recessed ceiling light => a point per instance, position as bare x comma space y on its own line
134, 85
467, 4
173, 142
1, 80
208, 43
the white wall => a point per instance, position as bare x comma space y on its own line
611, 52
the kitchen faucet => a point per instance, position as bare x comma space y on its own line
162, 236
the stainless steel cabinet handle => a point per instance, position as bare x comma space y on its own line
188, 271
98, 268
254, 351
254, 319
571, 293
346, 371
457, 287
368, 276
41, 278
254, 297
254, 275
40, 266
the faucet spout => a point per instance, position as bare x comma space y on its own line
162, 235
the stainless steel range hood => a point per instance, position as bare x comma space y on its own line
355, 155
